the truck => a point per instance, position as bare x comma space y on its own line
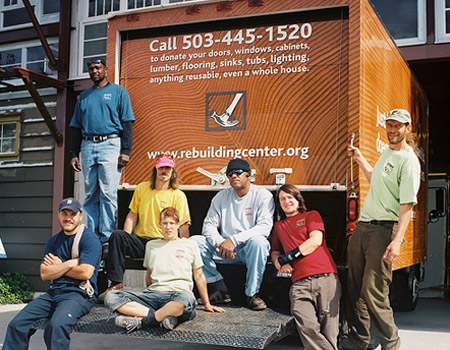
436, 282
287, 85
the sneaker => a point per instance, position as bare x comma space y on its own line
256, 303
130, 323
169, 323
218, 297
118, 286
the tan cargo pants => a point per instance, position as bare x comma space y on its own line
315, 307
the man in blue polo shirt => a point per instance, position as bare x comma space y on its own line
73, 289
102, 129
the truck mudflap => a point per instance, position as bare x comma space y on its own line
239, 327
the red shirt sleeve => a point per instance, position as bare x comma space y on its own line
315, 222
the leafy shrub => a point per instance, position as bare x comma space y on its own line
14, 289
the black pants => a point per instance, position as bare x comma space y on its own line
122, 244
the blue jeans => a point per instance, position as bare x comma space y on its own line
63, 311
253, 254
155, 300
99, 161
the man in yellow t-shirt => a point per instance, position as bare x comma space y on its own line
148, 200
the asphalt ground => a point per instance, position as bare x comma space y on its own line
426, 328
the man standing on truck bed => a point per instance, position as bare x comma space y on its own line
235, 230
375, 244
148, 200
299, 248
102, 130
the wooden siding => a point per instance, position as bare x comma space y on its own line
26, 192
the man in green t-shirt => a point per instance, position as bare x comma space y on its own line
142, 221
375, 244
171, 263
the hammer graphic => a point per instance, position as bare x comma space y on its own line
226, 120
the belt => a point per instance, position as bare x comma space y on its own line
380, 223
317, 276
100, 138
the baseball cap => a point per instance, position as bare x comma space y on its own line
165, 160
400, 115
71, 204
238, 163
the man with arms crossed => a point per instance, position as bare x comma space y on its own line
168, 300
299, 248
235, 230
375, 244
70, 296
148, 200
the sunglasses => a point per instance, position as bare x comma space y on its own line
96, 61
162, 155
237, 172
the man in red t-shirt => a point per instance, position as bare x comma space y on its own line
299, 248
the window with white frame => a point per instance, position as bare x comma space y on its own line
442, 23
102, 7
97, 8
13, 14
9, 136
30, 56
94, 43
404, 19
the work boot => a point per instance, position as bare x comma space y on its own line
118, 286
217, 297
256, 303
130, 323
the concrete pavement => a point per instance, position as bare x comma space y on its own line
426, 328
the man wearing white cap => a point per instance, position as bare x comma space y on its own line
375, 244
148, 200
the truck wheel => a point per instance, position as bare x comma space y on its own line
406, 292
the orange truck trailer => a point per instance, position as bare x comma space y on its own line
287, 85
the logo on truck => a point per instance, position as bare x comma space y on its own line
225, 110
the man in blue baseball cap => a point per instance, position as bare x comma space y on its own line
70, 262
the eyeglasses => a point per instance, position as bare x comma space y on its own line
96, 61
237, 172
162, 155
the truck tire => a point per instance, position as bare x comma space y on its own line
405, 293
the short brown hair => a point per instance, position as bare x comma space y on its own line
293, 191
169, 212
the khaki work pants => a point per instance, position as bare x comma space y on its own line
368, 285
315, 307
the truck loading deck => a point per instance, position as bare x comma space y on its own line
261, 327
